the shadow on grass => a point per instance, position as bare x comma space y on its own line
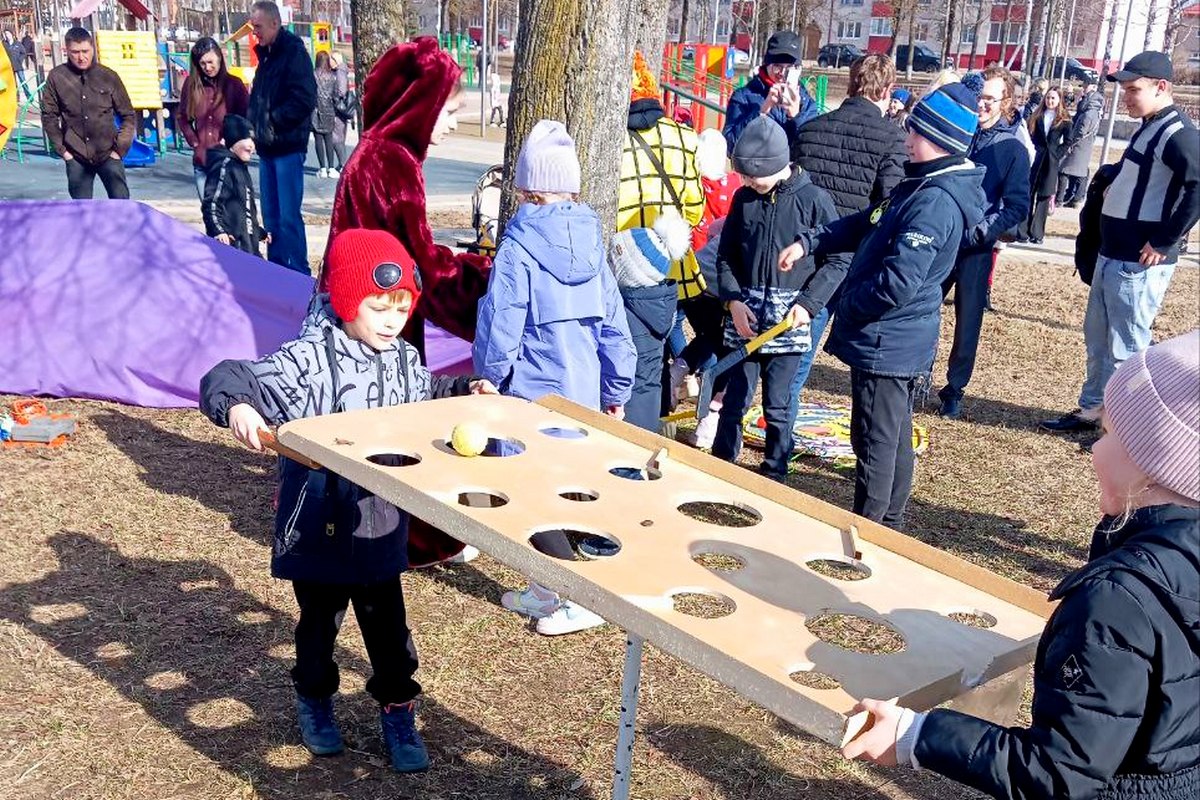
972, 535
210, 663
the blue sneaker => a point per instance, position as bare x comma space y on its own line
398, 721
317, 728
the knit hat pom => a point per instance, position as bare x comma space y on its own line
645, 85
712, 154
674, 233
1153, 407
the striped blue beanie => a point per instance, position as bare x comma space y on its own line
947, 117
641, 257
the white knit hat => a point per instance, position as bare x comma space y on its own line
641, 257
548, 162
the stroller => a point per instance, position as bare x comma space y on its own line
485, 213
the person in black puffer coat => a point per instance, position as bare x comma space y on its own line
282, 100
1116, 680
229, 207
640, 259
856, 154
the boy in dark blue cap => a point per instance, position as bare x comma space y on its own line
885, 326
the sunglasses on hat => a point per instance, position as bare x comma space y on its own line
388, 275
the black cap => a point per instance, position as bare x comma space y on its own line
783, 48
1150, 64
235, 128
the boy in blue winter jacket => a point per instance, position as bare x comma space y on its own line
336, 542
552, 321
885, 326
777, 201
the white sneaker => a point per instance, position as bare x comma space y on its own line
467, 555
536, 601
321, 172
706, 429
332, 172
569, 618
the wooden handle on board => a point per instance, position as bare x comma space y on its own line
268, 440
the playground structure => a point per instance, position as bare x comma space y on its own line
737, 576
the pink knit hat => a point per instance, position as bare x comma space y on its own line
1153, 407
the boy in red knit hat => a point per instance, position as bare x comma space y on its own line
336, 542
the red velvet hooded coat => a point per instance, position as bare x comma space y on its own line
383, 188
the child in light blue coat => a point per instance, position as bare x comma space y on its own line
552, 321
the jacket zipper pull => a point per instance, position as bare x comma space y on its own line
329, 528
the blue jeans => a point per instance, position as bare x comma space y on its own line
817, 328
676, 339
1123, 303
201, 176
281, 185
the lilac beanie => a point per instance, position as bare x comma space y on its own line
1153, 407
547, 162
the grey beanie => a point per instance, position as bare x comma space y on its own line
762, 149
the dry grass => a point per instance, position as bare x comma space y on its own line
144, 649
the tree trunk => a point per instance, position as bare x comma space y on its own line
1151, 18
650, 19
1108, 41
975, 38
950, 32
1004, 29
573, 64
378, 24
683, 21
1174, 19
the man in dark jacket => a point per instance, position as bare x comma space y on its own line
885, 326
1006, 185
282, 100
857, 155
80, 104
770, 93
1077, 159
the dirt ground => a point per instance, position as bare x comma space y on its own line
144, 647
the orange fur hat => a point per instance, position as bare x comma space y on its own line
645, 85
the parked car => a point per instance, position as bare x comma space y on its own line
924, 59
1075, 71
838, 55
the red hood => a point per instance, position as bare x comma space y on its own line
404, 92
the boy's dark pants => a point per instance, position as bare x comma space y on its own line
881, 435
379, 609
970, 282
778, 370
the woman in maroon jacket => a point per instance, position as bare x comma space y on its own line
208, 94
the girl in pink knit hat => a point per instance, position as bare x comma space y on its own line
1116, 683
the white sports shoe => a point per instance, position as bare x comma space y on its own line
322, 172
569, 618
706, 429
332, 172
467, 555
536, 601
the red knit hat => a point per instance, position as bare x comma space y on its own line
364, 262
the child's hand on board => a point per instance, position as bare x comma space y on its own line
877, 743
483, 386
246, 422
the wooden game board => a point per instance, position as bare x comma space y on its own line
499, 503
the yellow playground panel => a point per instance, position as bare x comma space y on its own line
9, 92
322, 38
134, 56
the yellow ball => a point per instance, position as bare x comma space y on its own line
468, 439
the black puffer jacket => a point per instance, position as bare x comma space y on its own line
650, 311
854, 153
1116, 693
283, 97
229, 206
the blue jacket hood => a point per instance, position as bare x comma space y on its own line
564, 239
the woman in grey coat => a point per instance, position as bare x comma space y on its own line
1077, 158
324, 118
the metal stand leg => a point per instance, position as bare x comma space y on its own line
630, 681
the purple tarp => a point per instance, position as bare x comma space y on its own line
111, 299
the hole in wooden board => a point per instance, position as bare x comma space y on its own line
561, 432
812, 679
482, 498
571, 544
729, 515
500, 448
637, 473
854, 633
839, 568
580, 495
394, 459
703, 604
719, 562
973, 618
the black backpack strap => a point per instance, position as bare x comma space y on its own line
658, 167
